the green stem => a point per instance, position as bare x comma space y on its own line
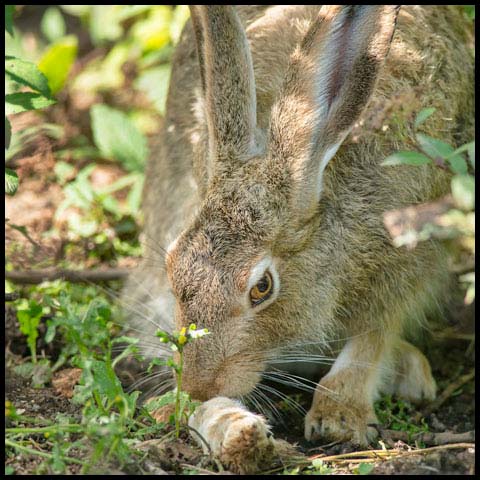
177, 399
71, 427
39, 453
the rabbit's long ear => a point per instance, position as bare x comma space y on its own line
227, 79
328, 83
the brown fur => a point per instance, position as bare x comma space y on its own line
228, 206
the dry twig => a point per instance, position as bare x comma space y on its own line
39, 276
445, 395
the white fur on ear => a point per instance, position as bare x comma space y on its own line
328, 154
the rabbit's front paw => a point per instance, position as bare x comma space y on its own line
335, 419
241, 440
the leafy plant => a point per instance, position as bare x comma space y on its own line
178, 341
459, 222
396, 415
110, 417
29, 320
117, 137
21, 74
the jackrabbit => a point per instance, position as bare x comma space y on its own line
268, 189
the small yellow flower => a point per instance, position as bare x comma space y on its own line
118, 399
8, 403
182, 339
46, 434
183, 331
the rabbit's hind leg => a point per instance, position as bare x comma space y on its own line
412, 378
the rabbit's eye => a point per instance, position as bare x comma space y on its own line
262, 290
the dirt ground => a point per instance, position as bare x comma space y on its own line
450, 359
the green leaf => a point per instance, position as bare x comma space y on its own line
154, 83
469, 11
8, 133
365, 468
25, 101
28, 74
463, 191
467, 147
471, 153
106, 381
153, 32
63, 171
57, 61
458, 165
433, 147
53, 24
406, 158
11, 181
9, 9
117, 137
134, 197
423, 115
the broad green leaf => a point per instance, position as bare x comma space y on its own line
406, 158
105, 380
463, 191
423, 115
434, 147
24, 101
57, 61
11, 181
9, 9
467, 147
154, 83
134, 198
153, 32
26, 73
53, 24
458, 164
117, 137
463, 148
8, 133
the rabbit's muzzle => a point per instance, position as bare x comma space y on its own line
208, 374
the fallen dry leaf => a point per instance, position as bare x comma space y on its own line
65, 380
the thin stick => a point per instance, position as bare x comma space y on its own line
428, 438
39, 276
377, 454
445, 395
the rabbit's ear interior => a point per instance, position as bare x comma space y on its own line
329, 81
228, 81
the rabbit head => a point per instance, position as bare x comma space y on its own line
248, 266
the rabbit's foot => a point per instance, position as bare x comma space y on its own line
241, 440
414, 380
337, 419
